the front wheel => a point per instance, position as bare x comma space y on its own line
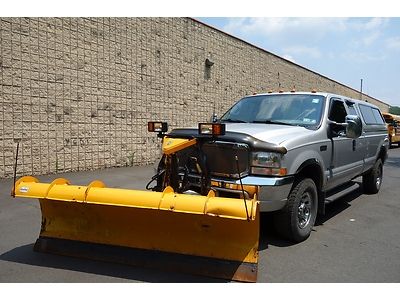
372, 181
297, 219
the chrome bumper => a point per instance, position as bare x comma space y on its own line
273, 191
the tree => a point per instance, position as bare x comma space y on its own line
394, 110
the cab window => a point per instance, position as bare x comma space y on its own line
371, 115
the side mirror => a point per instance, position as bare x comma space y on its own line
353, 127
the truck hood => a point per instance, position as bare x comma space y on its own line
271, 133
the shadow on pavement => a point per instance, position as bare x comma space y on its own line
26, 255
339, 205
393, 162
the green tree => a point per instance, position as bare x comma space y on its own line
394, 110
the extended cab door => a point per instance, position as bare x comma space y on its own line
374, 132
347, 154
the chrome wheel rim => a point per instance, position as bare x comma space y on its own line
304, 210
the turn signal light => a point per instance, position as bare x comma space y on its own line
157, 126
212, 128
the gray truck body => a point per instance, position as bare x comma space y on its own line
335, 159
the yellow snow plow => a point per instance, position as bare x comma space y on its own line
168, 227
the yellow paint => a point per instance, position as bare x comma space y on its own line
393, 132
206, 226
173, 145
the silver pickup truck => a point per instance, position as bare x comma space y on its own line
290, 149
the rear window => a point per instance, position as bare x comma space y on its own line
371, 115
378, 116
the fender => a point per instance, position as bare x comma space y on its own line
321, 194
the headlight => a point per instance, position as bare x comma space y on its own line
266, 159
267, 163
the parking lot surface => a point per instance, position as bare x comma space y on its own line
358, 240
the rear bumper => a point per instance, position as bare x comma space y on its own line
272, 191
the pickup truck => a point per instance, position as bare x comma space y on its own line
290, 149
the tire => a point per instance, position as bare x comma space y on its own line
296, 220
372, 181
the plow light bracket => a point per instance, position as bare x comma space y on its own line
212, 129
157, 126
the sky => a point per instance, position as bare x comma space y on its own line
344, 49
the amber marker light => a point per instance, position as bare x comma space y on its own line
157, 126
212, 128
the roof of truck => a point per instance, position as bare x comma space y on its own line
324, 94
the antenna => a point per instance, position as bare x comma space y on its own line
15, 171
214, 116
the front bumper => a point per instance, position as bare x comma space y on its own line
272, 191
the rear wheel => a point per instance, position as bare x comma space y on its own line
372, 181
297, 219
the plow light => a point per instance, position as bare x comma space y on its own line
212, 128
157, 126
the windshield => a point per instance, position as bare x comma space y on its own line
296, 109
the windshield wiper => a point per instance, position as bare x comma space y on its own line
273, 122
233, 121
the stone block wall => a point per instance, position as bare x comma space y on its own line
78, 92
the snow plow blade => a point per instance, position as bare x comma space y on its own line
204, 235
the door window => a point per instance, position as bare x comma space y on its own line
337, 114
338, 111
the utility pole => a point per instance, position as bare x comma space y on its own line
361, 90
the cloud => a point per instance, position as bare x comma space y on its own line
393, 43
369, 30
234, 24
362, 57
289, 58
371, 38
367, 24
272, 27
303, 50
376, 23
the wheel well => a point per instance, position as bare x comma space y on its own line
383, 154
312, 171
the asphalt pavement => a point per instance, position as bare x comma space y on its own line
358, 240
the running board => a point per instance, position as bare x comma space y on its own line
341, 191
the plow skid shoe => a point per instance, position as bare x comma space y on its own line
204, 235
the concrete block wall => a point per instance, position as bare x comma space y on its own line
78, 92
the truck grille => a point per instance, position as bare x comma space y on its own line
221, 159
